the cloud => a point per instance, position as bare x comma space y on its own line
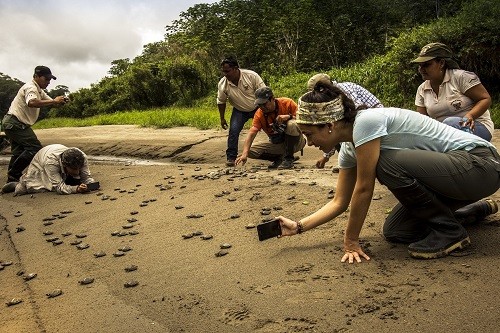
78, 39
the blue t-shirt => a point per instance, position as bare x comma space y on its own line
404, 129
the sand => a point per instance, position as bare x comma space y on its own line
293, 284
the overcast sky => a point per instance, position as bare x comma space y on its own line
78, 39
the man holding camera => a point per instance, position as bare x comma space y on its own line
54, 168
22, 114
276, 117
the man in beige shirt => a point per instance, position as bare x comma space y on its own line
22, 114
54, 168
238, 86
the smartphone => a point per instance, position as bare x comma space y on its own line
93, 186
269, 229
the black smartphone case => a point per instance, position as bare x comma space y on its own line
269, 229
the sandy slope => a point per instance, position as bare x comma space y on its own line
295, 284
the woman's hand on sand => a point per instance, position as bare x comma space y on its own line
288, 227
353, 252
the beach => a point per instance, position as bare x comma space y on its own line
181, 253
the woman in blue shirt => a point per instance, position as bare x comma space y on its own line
431, 168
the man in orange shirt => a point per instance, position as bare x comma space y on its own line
276, 117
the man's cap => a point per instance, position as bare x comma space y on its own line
321, 77
44, 71
262, 95
436, 50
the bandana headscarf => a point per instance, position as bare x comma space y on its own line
320, 113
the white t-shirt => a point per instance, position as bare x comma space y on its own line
405, 129
451, 100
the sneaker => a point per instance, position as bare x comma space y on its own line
276, 163
286, 164
230, 163
9, 187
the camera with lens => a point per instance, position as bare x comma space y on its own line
279, 128
279, 133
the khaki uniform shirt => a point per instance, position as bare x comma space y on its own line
19, 106
242, 96
451, 100
46, 172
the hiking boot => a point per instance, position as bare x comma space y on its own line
276, 163
286, 164
9, 187
476, 211
230, 163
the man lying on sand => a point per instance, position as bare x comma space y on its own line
54, 168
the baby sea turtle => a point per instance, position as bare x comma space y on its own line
6, 263
125, 248
113, 198
82, 246
118, 254
88, 202
80, 235
225, 246
99, 254
250, 226
134, 212
122, 234
66, 212
76, 242
143, 204
131, 220
206, 237
131, 268
20, 228
87, 280
61, 216
54, 293
115, 233
47, 223
14, 301
29, 276
127, 226
179, 206
52, 239
131, 283
57, 242
197, 233
133, 232
235, 216
187, 236
231, 199
66, 234
221, 253
18, 214
152, 199
48, 219
48, 233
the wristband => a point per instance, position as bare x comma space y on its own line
300, 227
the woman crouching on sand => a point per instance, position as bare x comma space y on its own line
431, 168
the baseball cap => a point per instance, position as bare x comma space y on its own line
436, 50
321, 77
44, 71
262, 95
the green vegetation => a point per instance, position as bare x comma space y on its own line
173, 82
199, 117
